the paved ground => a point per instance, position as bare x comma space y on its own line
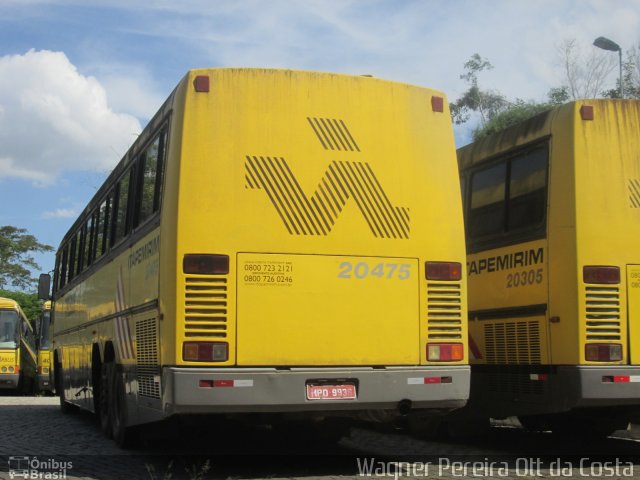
34, 432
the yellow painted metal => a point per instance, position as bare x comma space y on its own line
327, 310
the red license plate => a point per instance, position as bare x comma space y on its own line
342, 391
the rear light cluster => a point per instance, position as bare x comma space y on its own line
445, 352
603, 352
601, 275
443, 270
205, 264
205, 352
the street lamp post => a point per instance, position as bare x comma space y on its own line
606, 44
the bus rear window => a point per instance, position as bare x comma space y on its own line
508, 199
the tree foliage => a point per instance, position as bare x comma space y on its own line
486, 103
630, 76
16, 260
519, 111
28, 302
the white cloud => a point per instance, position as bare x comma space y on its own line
52, 118
60, 213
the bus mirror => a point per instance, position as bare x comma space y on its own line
44, 285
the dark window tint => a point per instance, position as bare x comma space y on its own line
487, 201
508, 199
148, 181
63, 267
121, 208
102, 220
527, 190
73, 250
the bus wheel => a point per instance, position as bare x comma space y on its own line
105, 390
125, 437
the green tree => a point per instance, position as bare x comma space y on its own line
495, 111
485, 103
630, 76
16, 260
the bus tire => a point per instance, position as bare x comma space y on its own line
124, 436
104, 412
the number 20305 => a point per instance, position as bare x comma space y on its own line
362, 270
522, 279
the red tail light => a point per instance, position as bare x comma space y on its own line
603, 352
443, 270
205, 264
205, 352
596, 274
445, 352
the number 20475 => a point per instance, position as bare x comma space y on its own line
362, 270
522, 279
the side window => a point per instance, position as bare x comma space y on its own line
102, 219
88, 242
120, 217
72, 258
508, 200
487, 210
148, 169
63, 266
82, 241
149, 182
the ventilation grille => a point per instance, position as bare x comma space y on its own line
444, 311
514, 383
148, 369
333, 134
603, 313
317, 214
634, 192
512, 342
205, 307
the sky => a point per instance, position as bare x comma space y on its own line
79, 79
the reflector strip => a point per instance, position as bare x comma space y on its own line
541, 377
428, 380
621, 379
226, 383
243, 383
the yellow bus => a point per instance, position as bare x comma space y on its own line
552, 215
17, 349
279, 242
45, 354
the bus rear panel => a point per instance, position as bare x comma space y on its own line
551, 212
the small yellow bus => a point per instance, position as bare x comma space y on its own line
45, 353
275, 242
17, 349
552, 215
